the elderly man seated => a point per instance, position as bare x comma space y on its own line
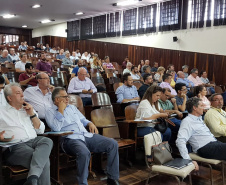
128, 68
5, 58
215, 118
67, 61
13, 55
82, 85
63, 117
193, 77
203, 77
194, 130
127, 92
181, 79
19, 122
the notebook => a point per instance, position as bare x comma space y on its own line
178, 163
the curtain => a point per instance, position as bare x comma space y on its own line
129, 22
147, 19
113, 24
170, 15
99, 26
73, 30
219, 12
86, 28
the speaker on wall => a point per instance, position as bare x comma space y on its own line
66, 30
175, 39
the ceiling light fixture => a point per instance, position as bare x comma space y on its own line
47, 21
127, 3
8, 16
24, 26
36, 6
79, 13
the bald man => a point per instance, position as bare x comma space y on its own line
5, 58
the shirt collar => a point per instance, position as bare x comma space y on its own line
219, 110
38, 89
56, 108
196, 118
8, 107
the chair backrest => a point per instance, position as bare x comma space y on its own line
10, 66
130, 112
76, 101
97, 80
116, 85
104, 118
58, 79
218, 89
100, 99
137, 84
113, 80
55, 65
12, 76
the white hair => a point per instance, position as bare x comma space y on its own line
81, 68
8, 89
129, 63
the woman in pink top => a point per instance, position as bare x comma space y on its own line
201, 93
107, 64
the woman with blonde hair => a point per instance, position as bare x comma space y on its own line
149, 109
159, 74
96, 64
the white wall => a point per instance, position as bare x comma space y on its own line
204, 40
53, 30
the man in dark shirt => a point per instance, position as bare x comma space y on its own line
155, 67
29, 77
148, 80
44, 65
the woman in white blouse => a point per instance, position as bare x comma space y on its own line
149, 110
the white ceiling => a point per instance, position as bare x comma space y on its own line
59, 10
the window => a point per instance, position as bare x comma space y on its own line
73, 29
9, 39
147, 19
219, 12
113, 24
99, 26
170, 15
129, 22
86, 28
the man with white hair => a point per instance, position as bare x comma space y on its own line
83, 86
67, 61
5, 58
19, 122
128, 68
146, 63
13, 55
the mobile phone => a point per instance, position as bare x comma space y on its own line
24, 104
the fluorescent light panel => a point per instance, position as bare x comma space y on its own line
24, 26
8, 16
128, 2
45, 21
79, 13
36, 6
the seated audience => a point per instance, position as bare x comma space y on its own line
148, 80
2, 96
63, 117
124, 63
160, 72
73, 57
78, 54
166, 84
155, 67
58, 49
181, 79
67, 61
22, 47
185, 70
128, 68
20, 65
194, 130
181, 97
44, 65
140, 65
5, 58
195, 78
29, 77
171, 67
38, 47
146, 63
149, 109
42, 47
172, 73
47, 48
215, 117
96, 64
135, 73
170, 107
19, 121
201, 94
82, 85
13, 55
107, 64
147, 70
206, 81
75, 70
127, 92
40, 96
53, 50
61, 55
85, 57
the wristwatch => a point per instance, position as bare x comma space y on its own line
31, 117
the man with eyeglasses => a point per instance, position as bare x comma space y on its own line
181, 97
64, 117
215, 118
194, 77
2, 96
83, 86
40, 96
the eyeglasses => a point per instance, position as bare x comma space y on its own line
63, 97
218, 100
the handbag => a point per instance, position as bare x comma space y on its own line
161, 153
162, 124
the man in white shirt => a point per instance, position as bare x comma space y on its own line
78, 54
40, 96
85, 56
13, 55
128, 68
20, 123
20, 65
2, 96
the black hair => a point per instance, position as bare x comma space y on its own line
179, 86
